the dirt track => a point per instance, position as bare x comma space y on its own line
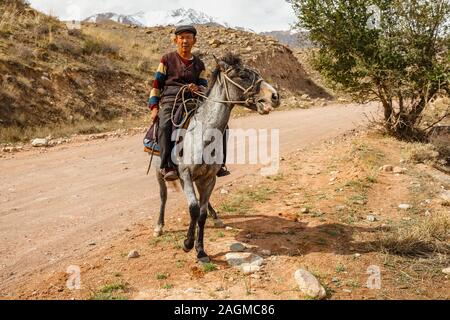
59, 205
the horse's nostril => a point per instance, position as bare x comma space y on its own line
275, 97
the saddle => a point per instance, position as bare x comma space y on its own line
181, 120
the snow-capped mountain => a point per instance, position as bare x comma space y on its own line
159, 18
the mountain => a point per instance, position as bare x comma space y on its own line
291, 38
109, 16
160, 18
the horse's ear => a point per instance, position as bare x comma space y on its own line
222, 65
215, 58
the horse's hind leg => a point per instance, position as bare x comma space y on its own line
205, 190
217, 221
159, 230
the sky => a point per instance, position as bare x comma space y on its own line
258, 15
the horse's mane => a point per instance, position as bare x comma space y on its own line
232, 59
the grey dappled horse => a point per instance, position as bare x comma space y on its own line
232, 84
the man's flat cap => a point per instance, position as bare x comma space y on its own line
186, 28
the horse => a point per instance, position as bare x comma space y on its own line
232, 84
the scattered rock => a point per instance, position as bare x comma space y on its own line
133, 254
46, 82
404, 206
224, 191
357, 255
11, 149
249, 236
193, 290
266, 252
304, 210
241, 259
309, 285
387, 168
371, 218
249, 269
399, 170
446, 270
237, 247
39, 143
335, 279
215, 42
228, 228
445, 195
347, 291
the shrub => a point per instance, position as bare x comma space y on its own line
422, 153
95, 46
401, 60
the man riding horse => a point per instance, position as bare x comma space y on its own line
176, 69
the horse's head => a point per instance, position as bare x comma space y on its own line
245, 86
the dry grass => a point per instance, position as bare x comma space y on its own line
420, 238
141, 56
422, 153
99, 46
10, 16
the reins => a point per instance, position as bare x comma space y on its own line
250, 100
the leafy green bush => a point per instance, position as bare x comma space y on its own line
400, 58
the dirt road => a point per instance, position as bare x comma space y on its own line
61, 204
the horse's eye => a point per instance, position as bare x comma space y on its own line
242, 74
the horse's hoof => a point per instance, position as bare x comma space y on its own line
158, 233
202, 257
219, 224
188, 245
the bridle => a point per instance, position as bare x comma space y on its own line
223, 78
249, 93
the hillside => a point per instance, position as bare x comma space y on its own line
292, 39
53, 76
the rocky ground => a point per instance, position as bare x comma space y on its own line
354, 218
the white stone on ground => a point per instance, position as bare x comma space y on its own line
39, 143
247, 262
309, 285
133, 254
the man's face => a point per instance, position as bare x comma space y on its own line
185, 42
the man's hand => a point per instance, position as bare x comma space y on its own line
193, 88
154, 114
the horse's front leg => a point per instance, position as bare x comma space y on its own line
194, 210
205, 189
